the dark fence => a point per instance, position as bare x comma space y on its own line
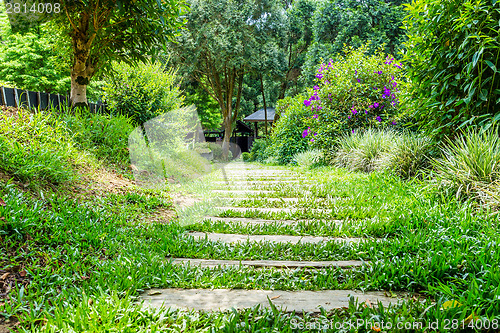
38, 100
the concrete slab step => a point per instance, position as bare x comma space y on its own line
288, 301
250, 221
238, 238
273, 210
267, 263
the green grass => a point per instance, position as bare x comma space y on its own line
86, 262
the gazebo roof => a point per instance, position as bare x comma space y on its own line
259, 116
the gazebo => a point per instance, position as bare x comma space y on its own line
260, 116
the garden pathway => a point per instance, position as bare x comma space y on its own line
303, 300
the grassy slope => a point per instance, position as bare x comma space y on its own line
79, 260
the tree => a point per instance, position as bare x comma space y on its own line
217, 46
100, 31
352, 23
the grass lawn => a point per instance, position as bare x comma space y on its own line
79, 264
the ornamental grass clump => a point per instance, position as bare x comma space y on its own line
309, 158
470, 165
407, 155
360, 150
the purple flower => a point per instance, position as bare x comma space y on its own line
315, 134
379, 72
315, 116
359, 81
352, 131
315, 87
379, 119
348, 117
306, 132
375, 105
319, 76
366, 111
319, 107
307, 102
398, 66
394, 123
354, 111
387, 92
356, 72
312, 140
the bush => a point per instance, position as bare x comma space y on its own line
471, 163
286, 139
357, 91
142, 92
309, 158
258, 150
104, 136
245, 156
453, 56
408, 154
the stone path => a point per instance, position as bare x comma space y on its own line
250, 221
236, 238
224, 299
267, 263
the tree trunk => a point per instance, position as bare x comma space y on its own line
78, 89
227, 135
264, 100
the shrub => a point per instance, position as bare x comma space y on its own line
471, 163
406, 155
309, 158
258, 150
453, 56
105, 136
286, 140
245, 156
357, 91
142, 92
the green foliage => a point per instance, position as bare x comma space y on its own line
246, 156
30, 61
206, 106
35, 148
258, 152
309, 158
454, 59
360, 151
104, 136
471, 164
337, 23
357, 91
142, 92
407, 155
286, 138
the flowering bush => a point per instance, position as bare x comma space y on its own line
286, 139
358, 91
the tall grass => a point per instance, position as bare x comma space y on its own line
407, 155
470, 165
36, 147
360, 150
309, 158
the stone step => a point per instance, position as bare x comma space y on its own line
273, 210
288, 301
267, 263
241, 192
251, 221
255, 182
238, 238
